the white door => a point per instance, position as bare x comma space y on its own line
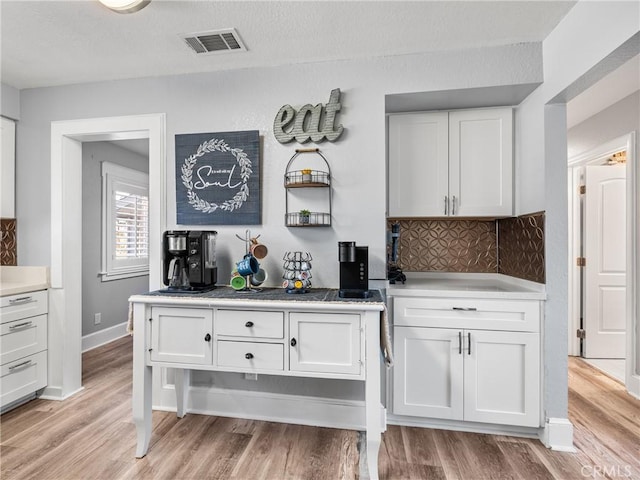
325, 343
605, 249
428, 373
182, 335
481, 162
418, 164
502, 377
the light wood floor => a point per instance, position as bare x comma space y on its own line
91, 436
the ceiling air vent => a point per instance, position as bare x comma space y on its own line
215, 42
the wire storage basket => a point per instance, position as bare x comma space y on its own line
307, 178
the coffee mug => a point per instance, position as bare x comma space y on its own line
258, 250
259, 277
238, 283
248, 265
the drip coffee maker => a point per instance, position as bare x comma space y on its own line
189, 260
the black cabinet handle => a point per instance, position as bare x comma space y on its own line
249, 324
469, 333
207, 338
459, 343
248, 356
293, 342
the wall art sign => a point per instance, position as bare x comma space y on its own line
310, 122
218, 178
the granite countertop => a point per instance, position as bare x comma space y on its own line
16, 280
467, 285
265, 295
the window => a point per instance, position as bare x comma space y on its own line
125, 222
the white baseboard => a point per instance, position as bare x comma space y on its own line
461, 426
271, 407
55, 393
101, 337
558, 435
633, 385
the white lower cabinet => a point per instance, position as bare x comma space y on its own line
23, 345
181, 335
467, 374
327, 343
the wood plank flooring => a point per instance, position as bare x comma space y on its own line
92, 436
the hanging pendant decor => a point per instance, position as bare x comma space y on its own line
313, 123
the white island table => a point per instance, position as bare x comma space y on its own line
316, 335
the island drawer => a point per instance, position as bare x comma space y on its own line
25, 305
21, 338
479, 314
249, 323
22, 377
250, 355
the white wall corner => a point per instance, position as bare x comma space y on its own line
557, 435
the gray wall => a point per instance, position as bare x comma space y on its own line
107, 298
9, 102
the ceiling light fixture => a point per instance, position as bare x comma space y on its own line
125, 6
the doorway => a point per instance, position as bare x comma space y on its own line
598, 197
65, 294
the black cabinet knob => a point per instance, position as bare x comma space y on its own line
249, 324
293, 342
207, 338
248, 356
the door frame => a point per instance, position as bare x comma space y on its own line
65, 293
592, 157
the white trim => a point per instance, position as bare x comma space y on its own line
102, 337
57, 394
557, 435
65, 294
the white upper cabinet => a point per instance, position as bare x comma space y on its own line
7, 167
456, 163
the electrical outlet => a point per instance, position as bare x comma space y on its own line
251, 376
97, 318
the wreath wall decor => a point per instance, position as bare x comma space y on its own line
218, 178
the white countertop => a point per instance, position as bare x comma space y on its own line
467, 285
17, 280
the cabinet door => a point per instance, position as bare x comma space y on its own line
502, 377
182, 335
427, 377
326, 343
418, 164
481, 162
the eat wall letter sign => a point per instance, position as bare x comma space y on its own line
309, 123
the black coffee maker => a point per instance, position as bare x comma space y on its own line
189, 260
354, 270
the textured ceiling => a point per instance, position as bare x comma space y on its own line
46, 43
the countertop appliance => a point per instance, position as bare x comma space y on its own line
354, 270
189, 260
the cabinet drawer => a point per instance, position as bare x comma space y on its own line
21, 338
15, 307
249, 323
23, 377
510, 315
250, 355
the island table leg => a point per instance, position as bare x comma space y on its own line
373, 408
142, 374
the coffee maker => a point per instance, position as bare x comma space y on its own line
189, 261
354, 270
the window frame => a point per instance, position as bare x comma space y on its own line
119, 178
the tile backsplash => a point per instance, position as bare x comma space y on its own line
8, 253
512, 246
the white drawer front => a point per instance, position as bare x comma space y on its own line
249, 323
250, 355
15, 307
509, 315
21, 338
23, 377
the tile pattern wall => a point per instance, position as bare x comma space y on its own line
511, 246
448, 246
521, 247
8, 251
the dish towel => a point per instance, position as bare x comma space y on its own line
130, 320
385, 338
